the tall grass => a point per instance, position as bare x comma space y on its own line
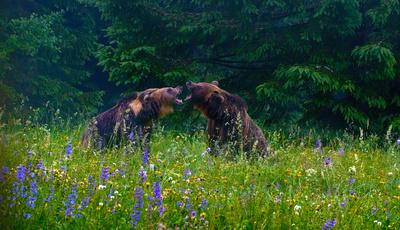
344, 181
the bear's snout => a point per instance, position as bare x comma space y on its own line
189, 83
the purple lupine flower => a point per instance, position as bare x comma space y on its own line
85, 202
63, 168
138, 196
33, 193
193, 214
4, 172
68, 149
105, 174
157, 197
145, 157
351, 180
398, 142
143, 174
39, 165
204, 203
100, 144
341, 152
21, 173
329, 224
318, 144
70, 205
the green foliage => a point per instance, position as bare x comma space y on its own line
326, 60
44, 48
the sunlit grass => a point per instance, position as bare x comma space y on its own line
48, 181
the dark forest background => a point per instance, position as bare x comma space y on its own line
326, 63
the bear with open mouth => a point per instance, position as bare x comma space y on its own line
228, 121
132, 117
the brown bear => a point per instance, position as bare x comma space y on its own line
228, 121
131, 118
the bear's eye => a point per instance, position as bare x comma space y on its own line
169, 90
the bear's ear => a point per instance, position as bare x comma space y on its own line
146, 97
219, 97
215, 83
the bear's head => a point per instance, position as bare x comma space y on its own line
212, 101
203, 92
165, 96
156, 102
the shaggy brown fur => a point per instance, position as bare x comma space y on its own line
228, 121
131, 117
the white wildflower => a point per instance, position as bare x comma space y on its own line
310, 172
101, 186
101, 204
390, 174
352, 168
297, 209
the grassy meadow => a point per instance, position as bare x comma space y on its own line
312, 180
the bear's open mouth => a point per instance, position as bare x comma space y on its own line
178, 101
188, 97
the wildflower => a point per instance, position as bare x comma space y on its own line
374, 210
5, 170
329, 224
310, 172
157, 197
138, 196
100, 144
351, 180
327, 161
105, 174
193, 214
143, 174
390, 174
318, 144
341, 151
151, 167
204, 203
68, 149
352, 169
21, 173
343, 204
101, 204
85, 202
33, 191
398, 142
297, 209
71, 202
101, 187
145, 157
